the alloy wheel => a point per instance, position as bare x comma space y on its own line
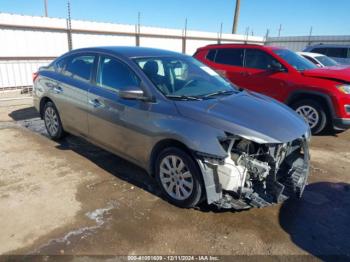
310, 114
175, 177
51, 121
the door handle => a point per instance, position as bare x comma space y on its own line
95, 103
245, 73
54, 87
49, 85
57, 89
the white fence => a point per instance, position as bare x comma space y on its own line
298, 43
17, 74
28, 42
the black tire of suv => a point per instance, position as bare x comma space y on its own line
196, 195
323, 117
60, 132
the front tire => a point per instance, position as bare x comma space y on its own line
314, 113
52, 121
179, 177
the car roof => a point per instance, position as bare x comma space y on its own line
216, 46
327, 45
131, 51
310, 54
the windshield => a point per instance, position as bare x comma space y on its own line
298, 62
326, 61
184, 78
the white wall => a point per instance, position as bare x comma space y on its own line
162, 43
88, 40
32, 37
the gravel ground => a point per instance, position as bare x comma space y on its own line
74, 198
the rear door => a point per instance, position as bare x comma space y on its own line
70, 92
228, 62
260, 77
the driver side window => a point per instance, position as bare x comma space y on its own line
259, 60
114, 74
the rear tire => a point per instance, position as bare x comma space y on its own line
52, 121
314, 113
179, 177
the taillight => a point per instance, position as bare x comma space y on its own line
34, 76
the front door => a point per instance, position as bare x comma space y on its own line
260, 77
114, 121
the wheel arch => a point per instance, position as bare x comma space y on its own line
322, 98
43, 101
166, 143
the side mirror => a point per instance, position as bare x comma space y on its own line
132, 93
277, 67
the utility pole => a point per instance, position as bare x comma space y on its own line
246, 35
279, 30
235, 19
69, 27
220, 34
267, 34
138, 30
310, 35
184, 36
45, 4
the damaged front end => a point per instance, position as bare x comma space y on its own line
255, 175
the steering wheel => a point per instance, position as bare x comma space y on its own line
189, 83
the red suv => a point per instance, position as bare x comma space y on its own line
320, 95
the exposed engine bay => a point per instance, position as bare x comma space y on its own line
258, 175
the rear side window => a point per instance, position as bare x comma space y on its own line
80, 67
114, 74
60, 64
337, 52
340, 52
211, 54
319, 50
258, 59
229, 56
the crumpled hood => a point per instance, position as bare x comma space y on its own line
249, 115
341, 72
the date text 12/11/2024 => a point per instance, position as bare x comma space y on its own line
173, 258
